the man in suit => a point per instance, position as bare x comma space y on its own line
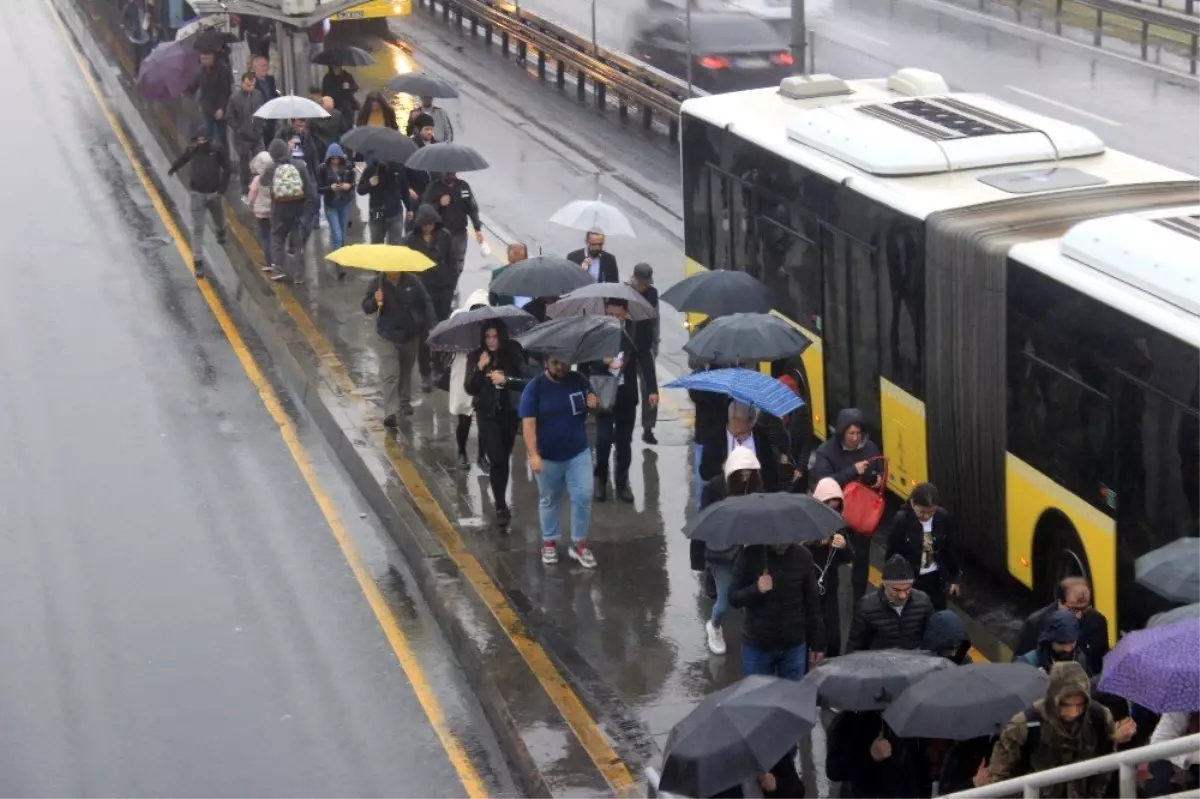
645, 336
602, 266
740, 431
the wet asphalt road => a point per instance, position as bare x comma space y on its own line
176, 616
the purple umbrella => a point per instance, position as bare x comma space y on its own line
1157, 668
169, 71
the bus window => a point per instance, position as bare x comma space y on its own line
902, 308
791, 269
722, 239
851, 339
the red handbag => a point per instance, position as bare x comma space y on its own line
862, 506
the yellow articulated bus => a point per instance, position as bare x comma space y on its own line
375, 9
1014, 307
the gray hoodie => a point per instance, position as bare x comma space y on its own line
280, 153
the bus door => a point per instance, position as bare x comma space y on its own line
851, 326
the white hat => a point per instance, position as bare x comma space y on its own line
741, 458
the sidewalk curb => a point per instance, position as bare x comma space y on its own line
476, 637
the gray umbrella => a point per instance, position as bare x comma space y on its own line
746, 337
348, 56
575, 339
543, 276
463, 332
1172, 571
380, 143
719, 293
421, 84
871, 680
1175, 614
446, 157
765, 519
966, 702
590, 299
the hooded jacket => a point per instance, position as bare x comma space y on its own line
1058, 744
1093, 634
260, 201
281, 154
210, 165
461, 208
832, 459
826, 559
388, 198
442, 278
1060, 628
328, 175
717, 489
407, 311
716, 449
946, 630
878, 625
790, 613
247, 129
492, 401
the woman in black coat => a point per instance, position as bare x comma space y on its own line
495, 380
925, 535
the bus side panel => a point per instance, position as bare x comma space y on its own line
903, 438
375, 9
1029, 495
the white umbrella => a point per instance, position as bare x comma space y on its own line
593, 215
291, 107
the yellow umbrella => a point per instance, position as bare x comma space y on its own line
380, 258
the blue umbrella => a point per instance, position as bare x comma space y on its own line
746, 386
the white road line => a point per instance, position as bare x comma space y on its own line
841, 30
1064, 106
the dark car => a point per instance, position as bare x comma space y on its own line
729, 51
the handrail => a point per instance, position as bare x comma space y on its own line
1151, 15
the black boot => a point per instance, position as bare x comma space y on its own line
600, 489
623, 491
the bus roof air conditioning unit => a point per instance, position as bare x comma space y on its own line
938, 134
806, 87
914, 82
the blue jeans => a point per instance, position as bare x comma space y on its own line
722, 574
264, 238
575, 476
337, 214
788, 664
698, 450
217, 132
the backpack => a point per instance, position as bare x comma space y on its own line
287, 186
1033, 734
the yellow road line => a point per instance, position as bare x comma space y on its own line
875, 577
467, 773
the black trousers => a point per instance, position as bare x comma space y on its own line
496, 438
461, 432
932, 584
616, 430
442, 300
831, 613
861, 568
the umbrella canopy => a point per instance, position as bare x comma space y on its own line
463, 332
871, 680
748, 386
719, 293
778, 518
380, 258
347, 56
421, 84
380, 143
211, 40
446, 157
1173, 571
575, 339
1157, 668
1191, 611
746, 337
593, 215
966, 702
168, 71
590, 299
291, 107
736, 734
543, 276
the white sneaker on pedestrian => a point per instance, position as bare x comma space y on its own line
245, 199
716, 638
549, 553
582, 554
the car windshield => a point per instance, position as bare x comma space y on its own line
730, 32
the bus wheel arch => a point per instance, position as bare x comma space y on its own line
1058, 552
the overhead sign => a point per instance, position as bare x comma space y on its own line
375, 9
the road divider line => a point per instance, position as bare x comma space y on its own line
463, 766
1064, 106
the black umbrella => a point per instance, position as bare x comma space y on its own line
746, 337
211, 41
381, 143
574, 339
446, 157
1174, 614
735, 734
779, 518
543, 276
421, 84
719, 293
462, 332
871, 680
590, 299
348, 56
1172, 571
965, 702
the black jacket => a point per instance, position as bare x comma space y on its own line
327, 176
407, 310
491, 401
214, 86
833, 460
442, 277
716, 449
790, 613
462, 205
608, 265
1093, 635
246, 128
389, 198
907, 538
635, 361
646, 332
877, 625
848, 759
341, 89
419, 179
308, 146
210, 168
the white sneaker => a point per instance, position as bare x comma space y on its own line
582, 554
549, 554
245, 199
716, 638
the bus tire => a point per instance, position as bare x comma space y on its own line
1057, 553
